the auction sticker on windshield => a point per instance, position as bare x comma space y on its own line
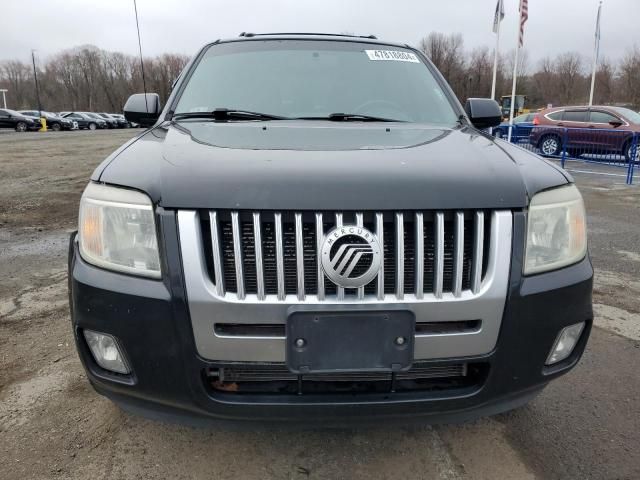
392, 55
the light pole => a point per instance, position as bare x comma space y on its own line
4, 98
35, 76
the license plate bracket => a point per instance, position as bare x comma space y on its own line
350, 341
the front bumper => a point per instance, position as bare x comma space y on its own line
151, 321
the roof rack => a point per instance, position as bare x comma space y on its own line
249, 35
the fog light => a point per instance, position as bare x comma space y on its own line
106, 352
565, 343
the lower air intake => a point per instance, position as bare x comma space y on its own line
276, 378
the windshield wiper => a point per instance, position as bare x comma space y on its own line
229, 114
347, 117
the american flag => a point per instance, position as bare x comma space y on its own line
524, 16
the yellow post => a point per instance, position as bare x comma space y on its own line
43, 123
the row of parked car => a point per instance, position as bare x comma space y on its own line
597, 130
29, 120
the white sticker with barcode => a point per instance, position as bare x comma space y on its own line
392, 55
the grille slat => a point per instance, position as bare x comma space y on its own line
459, 255
300, 256
319, 271
340, 290
380, 234
237, 253
439, 256
400, 241
276, 255
216, 253
360, 223
257, 241
419, 254
478, 247
279, 256
279, 372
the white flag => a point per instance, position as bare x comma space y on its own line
499, 15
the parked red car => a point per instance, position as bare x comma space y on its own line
597, 130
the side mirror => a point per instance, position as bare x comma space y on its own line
615, 123
143, 108
483, 112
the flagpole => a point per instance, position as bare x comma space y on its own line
495, 59
524, 16
513, 90
596, 49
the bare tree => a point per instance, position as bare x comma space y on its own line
569, 69
630, 77
480, 73
604, 90
87, 78
447, 54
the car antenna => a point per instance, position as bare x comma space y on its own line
144, 83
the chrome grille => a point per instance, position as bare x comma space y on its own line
273, 255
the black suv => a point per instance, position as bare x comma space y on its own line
313, 227
17, 121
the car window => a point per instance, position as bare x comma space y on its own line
556, 116
315, 79
629, 114
521, 118
602, 117
575, 116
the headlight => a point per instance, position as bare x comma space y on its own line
556, 231
117, 230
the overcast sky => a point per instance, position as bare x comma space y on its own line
182, 26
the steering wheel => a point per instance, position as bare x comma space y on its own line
366, 108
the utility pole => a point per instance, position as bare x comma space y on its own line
4, 98
35, 76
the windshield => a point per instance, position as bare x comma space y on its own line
633, 117
315, 79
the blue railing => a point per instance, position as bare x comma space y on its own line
613, 147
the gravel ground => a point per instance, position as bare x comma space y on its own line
53, 425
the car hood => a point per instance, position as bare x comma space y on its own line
310, 165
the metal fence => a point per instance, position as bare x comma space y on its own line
613, 147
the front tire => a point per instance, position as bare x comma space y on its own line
627, 152
21, 127
93, 126
550, 145
56, 127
